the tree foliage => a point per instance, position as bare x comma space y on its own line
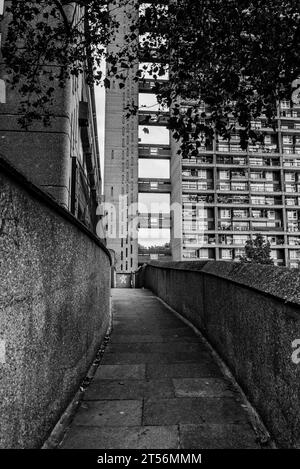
240, 57
258, 251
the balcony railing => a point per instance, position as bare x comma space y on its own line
154, 185
234, 227
197, 186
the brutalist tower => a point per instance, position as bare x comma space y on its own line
226, 195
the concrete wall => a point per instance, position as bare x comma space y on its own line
251, 315
54, 309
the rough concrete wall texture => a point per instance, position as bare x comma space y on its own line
54, 312
251, 315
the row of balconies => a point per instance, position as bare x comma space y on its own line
241, 200
234, 240
239, 187
234, 187
241, 161
238, 226
227, 254
234, 175
154, 151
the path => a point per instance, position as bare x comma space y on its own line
158, 387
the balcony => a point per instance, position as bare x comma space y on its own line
195, 186
203, 199
260, 226
238, 200
154, 185
148, 85
155, 220
265, 187
153, 118
260, 161
233, 187
154, 151
233, 226
292, 163
231, 160
198, 161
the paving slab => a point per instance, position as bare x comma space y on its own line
193, 410
203, 387
113, 413
125, 437
135, 371
129, 389
218, 436
183, 370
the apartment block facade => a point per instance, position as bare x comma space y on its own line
242, 193
63, 158
226, 195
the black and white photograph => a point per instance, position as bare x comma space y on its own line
149, 231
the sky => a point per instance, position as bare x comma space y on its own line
100, 106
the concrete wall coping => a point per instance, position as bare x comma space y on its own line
47, 200
279, 282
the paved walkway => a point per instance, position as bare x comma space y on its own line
157, 387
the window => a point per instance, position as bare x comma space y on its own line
294, 254
153, 185
269, 176
226, 254
285, 104
268, 139
256, 213
290, 201
258, 200
112, 154
1, 7
287, 139
203, 253
202, 173
2, 90
224, 175
223, 147
255, 175
225, 214
290, 177
292, 215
